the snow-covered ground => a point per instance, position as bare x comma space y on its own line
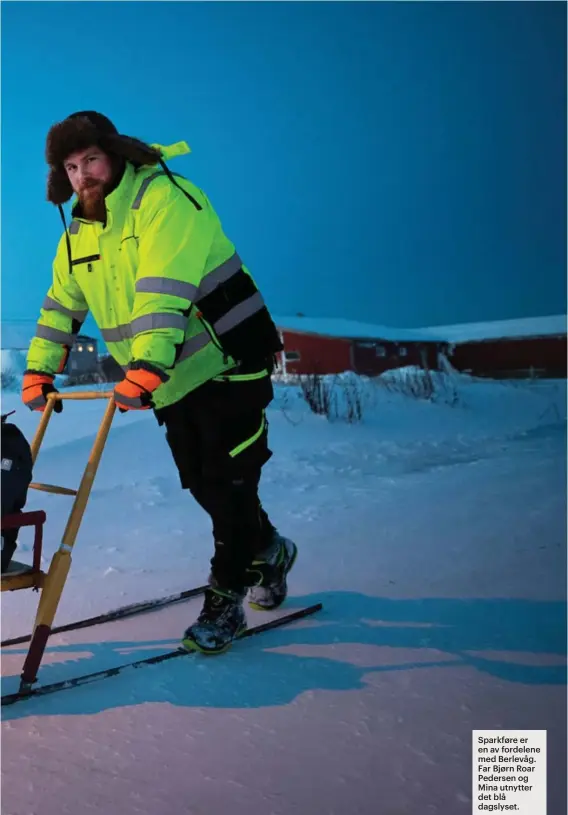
434, 533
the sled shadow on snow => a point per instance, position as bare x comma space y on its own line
277, 666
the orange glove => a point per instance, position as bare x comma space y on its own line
135, 391
35, 387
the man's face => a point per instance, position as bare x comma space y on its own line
88, 170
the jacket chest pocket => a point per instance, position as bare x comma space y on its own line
88, 263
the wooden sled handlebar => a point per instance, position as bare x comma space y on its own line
80, 395
61, 561
83, 492
52, 398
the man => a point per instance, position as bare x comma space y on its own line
146, 254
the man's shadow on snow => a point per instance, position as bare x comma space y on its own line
253, 674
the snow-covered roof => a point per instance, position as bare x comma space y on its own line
501, 329
462, 332
351, 329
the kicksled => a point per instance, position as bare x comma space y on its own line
50, 584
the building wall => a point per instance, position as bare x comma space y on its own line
330, 355
498, 358
373, 357
502, 358
324, 355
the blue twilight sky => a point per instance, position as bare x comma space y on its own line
399, 163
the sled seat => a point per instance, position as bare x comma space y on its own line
23, 575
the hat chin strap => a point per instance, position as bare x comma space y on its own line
67, 239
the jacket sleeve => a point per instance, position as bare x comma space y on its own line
174, 242
63, 312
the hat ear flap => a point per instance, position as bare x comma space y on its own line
59, 189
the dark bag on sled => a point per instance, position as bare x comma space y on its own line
16, 478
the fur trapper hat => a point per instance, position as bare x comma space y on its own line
87, 129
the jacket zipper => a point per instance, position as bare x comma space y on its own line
214, 338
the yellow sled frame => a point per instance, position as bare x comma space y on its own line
53, 582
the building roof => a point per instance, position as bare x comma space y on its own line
351, 329
462, 332
502, 329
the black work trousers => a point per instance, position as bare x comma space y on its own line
218, 436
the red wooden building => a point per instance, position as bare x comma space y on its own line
332, 346
528, 347
504, 349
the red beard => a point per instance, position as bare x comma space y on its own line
92, 201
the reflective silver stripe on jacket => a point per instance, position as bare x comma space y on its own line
239, 313
219, 275
144, 186
121, 332
149, 322
193, 345
187, 291
166, 285
189, 348
74, 227
49, 304
44, 332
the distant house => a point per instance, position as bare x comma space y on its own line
16, 335
83, 357
529, 347
332, 346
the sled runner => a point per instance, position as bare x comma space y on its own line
50, 585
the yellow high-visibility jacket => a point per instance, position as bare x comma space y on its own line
163, 283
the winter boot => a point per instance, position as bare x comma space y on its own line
220, 622
271, 570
